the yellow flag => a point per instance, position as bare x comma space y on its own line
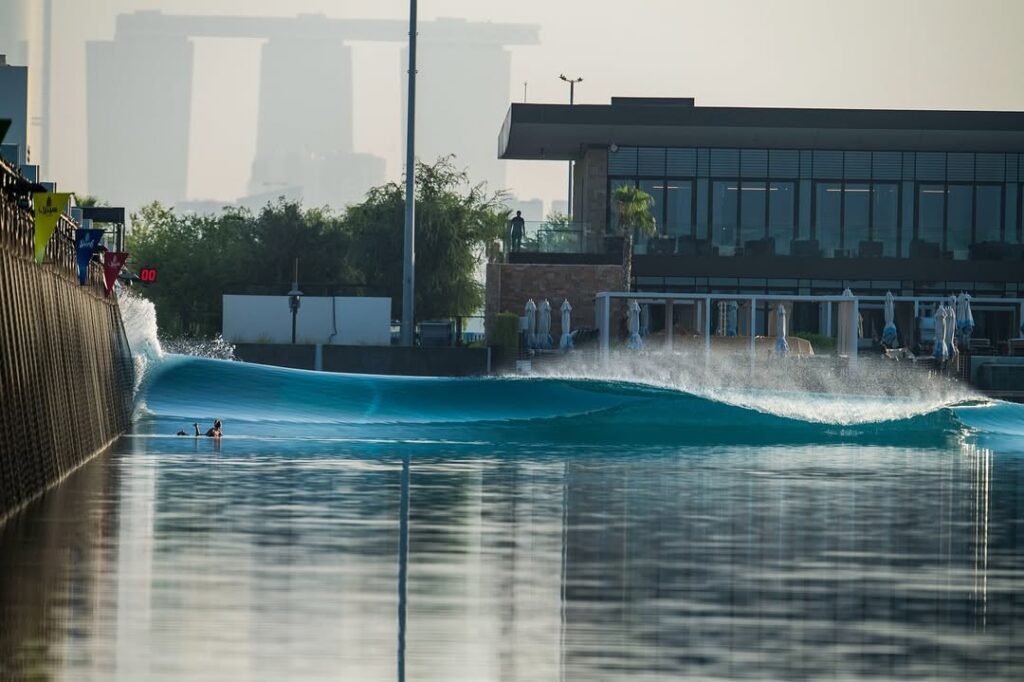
49, 207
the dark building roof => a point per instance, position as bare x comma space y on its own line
561, 131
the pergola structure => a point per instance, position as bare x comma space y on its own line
603, 304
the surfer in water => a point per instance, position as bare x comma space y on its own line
215, 432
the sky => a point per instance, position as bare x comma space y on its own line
927, 54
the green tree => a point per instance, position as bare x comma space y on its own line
633, 206
202, 257
455, 222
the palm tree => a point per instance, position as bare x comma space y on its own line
633, 206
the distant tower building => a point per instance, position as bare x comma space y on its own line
14, 30
138, 110
533, 209
463, 79
304, 134
560, 206
14, 106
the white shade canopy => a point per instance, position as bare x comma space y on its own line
781, 345
635, 342
889, 336
544, 339
566, 341
531, 324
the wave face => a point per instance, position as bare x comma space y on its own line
640, 403
261, 401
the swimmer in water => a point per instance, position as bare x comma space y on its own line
212, 433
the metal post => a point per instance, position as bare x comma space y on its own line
707, 327
47, 155
669, 342
572, 100
294, 299
605, 323
409, 263
854, 318
753, 321
568, 203
403, 560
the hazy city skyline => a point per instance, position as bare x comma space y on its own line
938, 54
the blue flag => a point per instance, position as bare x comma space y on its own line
86, 242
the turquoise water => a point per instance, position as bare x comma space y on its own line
557, 528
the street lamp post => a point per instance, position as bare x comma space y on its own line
295, 299
409, 262
572, 96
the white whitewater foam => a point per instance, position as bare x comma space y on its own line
140, 325
816, 392
139, 318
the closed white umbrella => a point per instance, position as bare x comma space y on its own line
732, 309
843, 325
940, 352
889, 331
781, 345
531, 324
635, 342
544, 339
566, 343
951, 331
964, 317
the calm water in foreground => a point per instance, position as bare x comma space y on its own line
170, 559
279, 556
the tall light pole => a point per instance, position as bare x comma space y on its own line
572, 96
409, 263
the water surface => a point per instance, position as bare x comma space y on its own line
557, 529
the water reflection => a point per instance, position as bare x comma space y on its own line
313, 560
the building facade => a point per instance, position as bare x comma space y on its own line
794, 201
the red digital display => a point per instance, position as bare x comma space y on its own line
147, 275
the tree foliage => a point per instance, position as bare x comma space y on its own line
360, 252
634, 209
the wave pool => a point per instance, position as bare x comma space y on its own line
564, 527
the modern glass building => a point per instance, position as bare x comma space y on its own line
802, 201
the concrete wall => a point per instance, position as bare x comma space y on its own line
392, 360
356, 321
509, 286
590, 197
66, 373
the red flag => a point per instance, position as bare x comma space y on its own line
113, 261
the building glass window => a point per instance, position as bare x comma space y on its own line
960, 213
856, 216
828, 203
988, 213
753, 206
702, 210
678, 208
781, 214
885, 217
931, 216
724, 206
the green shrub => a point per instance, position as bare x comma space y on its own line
818, 341
506, 336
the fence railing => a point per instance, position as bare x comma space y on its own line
549, 237
17, 230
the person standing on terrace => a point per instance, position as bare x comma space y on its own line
517, 231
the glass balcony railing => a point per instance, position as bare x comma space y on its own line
548, 237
